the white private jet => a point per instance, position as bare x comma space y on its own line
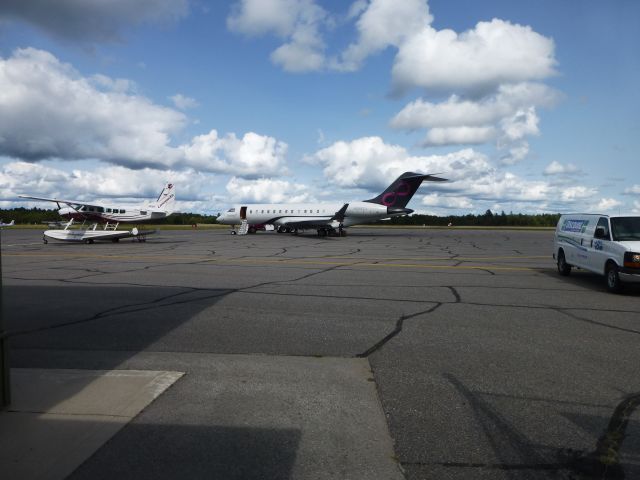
78, 210
10, 224
327, 218
109, 217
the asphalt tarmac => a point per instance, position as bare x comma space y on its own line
484, 362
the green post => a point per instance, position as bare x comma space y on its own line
5, 386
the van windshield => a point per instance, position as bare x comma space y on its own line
625, 228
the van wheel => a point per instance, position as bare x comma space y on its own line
563, 267
613, 279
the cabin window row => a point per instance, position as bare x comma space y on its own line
287, 211
102, 210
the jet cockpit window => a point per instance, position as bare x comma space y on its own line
231, 210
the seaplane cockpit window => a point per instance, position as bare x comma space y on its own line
100, 209
108, 210
123, 211
91, 209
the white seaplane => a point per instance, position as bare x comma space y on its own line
104, 219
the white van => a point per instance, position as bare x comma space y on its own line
604, 244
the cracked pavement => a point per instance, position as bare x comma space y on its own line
487, 363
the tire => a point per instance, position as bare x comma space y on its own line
563, 267
252, 230
614, 285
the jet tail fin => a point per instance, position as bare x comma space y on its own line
402, 189
167, 199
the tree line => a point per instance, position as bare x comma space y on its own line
488, 219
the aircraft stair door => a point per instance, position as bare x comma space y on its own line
244, 226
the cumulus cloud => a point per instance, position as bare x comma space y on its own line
95, 122
183, 102
99, 184
250, 156
383, 23
104, 119
606, 205
448, 202
557, 168
91, 20
475, 183
266, 190
634, 190
297, 21
506, 117
492, 53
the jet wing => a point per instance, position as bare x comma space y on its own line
305, 222
60, 200
317, 222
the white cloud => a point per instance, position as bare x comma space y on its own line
103, 120
634, 190
266, 190
382, 24
94, 123
183, 102
252, 155
91, 20
636, 206
458, 136
606, 205
297, 21
507, 116
475, 184
571, 194
493, 53
102, 183
449, 202
557, 168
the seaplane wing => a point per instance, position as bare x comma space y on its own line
60, 200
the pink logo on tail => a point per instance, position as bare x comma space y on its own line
401, 190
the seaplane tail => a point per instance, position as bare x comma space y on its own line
166, 201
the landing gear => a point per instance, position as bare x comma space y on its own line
282, 229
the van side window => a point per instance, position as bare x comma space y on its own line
604, 224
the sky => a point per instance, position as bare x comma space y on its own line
526, 107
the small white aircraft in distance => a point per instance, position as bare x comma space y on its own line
109, 215
10, 224
108, 212
327, 218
